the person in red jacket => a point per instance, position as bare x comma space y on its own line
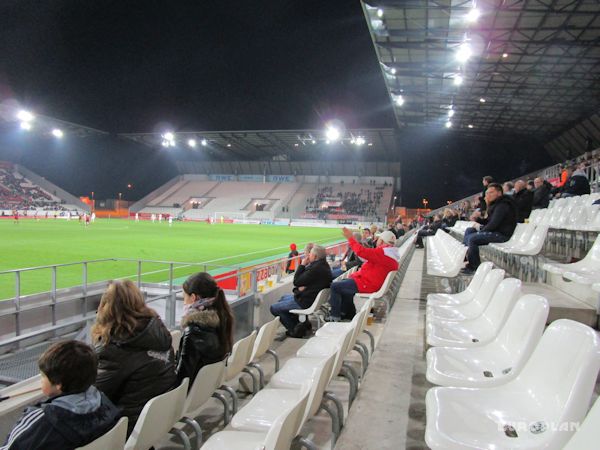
380, 261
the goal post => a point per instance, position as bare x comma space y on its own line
229, 215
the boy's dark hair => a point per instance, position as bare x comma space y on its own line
72, 364
489, 179
496, 186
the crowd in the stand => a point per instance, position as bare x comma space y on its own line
501, 206
367, 202
17, 193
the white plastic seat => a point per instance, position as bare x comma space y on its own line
204, 386
445, 255
586, 437
236, 364
482, 329
553, 389
381, 294
586, 271
465, 296
114, 438
473, 308
175, 340
279, 436
157, 419
314, 309
520, 231
260, 413
533, 246
497, 362
262, 345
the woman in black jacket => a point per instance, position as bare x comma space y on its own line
135, 356
207, 325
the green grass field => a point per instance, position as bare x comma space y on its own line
48, 242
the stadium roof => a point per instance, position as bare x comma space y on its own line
276, 144
534, 66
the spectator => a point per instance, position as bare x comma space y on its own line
541, 193
530, 185
367, 238
76, 412
207, 326
577, 184
449, 219
292, 261
498, 227
524, 200
485, 181
135, 357
428, 230
399, 230
379, 262
508, 188
349, 260
313, 275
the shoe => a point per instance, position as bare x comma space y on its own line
297, 333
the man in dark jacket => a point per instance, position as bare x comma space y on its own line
498, 227
577, 184
523, 197
541, 193
312, 275
76, 412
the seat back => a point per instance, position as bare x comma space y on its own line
157, 418
592, 258
479, 276
489, 285
386, 284
114, 438
586, 437
206, 382
287, 426
502, 303
264, 338
523, 329
175, 340
537, 239
520, 229
320, 300
561, 373
240, 356
320, 381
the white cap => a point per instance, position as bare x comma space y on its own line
388, 237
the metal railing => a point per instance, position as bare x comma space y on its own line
240, 282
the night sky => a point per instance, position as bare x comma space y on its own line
126, 66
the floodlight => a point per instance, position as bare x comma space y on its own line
360, 141
192, 143
328, 142
228, 145
470, 125
399, 100
505, 55
204, 142
25, 116
165, 143
482, 100
313, 142
380, 13
26, 126
393, 70
169, 136
353, 141
458, 80
473, 15
448, 124
332, 133
370, 144
451, 113
464, 53
57, 133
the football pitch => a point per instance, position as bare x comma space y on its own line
198, 246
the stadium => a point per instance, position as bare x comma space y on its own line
280, 225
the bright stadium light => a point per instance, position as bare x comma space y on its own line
470, 125
228, 145
165, 143
192, 143
313, 142
360, 141
169, 136
393, 70
458, 80
57, 133
204, 142
473, 15
505, 55
25, 116
451, 113
448, 124
399, 100
464, 53
328, 142
26, 126
380, 13
332, 133
482, 100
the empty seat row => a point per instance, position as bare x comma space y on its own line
506, 383
445, 255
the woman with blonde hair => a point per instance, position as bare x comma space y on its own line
135, 357
207, 326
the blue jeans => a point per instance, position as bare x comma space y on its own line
336, 272
282, 309
342, 298
473, 239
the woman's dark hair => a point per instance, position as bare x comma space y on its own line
72, 364
205, 286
